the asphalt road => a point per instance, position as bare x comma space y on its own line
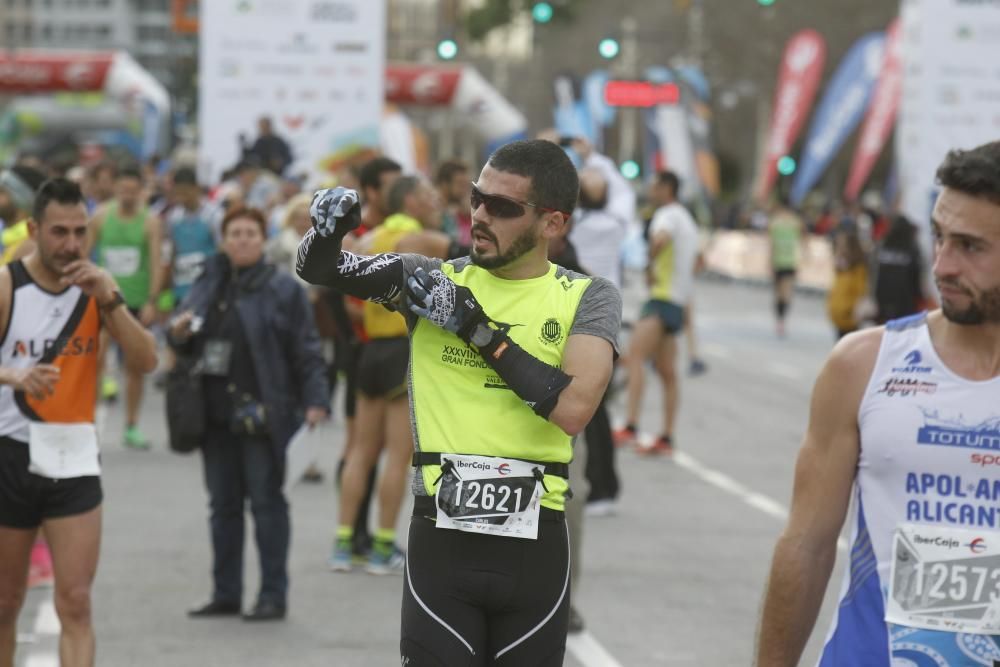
673, 578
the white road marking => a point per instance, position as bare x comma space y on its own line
46, 625
588, 651
42, 660
26, 638
726, 483
784, 370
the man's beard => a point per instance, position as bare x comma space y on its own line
521, 246
55, 263
982, 310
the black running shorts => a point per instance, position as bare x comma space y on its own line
472, 600
670, 315
27, 499
382, 367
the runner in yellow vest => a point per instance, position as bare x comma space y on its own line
510, 356
127, 238
382, 417
17, 196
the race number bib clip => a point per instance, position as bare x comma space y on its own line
489, 495
63, 451
945, 579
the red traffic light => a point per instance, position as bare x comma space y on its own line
640, 93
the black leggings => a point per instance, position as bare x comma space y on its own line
471, 600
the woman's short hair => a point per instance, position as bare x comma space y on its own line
245, 213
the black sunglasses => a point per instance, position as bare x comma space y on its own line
499, 206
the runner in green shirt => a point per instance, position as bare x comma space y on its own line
127, 238
786, 232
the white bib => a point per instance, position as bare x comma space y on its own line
490, 495
63, 451
122, 262
945, 579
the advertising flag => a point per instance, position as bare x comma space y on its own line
844, 103
881, 116
801, 69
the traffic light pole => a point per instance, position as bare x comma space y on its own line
628, 67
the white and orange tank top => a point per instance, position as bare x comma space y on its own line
45, 327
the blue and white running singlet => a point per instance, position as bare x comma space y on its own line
922, 588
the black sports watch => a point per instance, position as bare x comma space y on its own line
116, 300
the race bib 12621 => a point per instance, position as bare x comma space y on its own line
487, 494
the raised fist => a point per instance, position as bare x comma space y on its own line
335, 212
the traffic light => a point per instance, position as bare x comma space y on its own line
541, 12
787, 165
765, 3
630, 169
608, 48
447, 49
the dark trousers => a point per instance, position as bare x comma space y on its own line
600, 470
238, 468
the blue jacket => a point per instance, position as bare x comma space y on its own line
277, 319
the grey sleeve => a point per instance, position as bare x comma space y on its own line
600, 312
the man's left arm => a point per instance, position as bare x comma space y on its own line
137, 344
588, 360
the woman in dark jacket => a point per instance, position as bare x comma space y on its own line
263, 374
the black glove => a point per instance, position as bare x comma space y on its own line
335, 212
435, 297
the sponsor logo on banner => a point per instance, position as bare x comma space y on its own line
844, 103
415, 84
47, 73
333, 12
801, 69
881, 117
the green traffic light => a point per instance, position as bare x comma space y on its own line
541, 12
630, 169
447, 49
765, 3
787, 165
608, 48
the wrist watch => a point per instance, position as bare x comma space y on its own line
481, 335
116, 300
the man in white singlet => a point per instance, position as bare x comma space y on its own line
53, 304
905, 422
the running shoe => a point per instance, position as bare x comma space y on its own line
341, 560
697, 367
134, 439
383, 561
624, 436
601, 508
664, 446
40, 574
109, 389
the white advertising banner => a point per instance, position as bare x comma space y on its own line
951, 91
315, 67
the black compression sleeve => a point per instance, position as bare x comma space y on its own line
377, 278
533, 380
